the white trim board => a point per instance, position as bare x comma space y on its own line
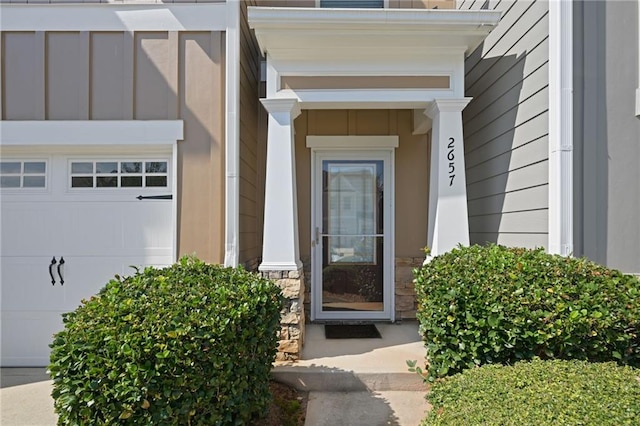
560, 128
114, 17
232, 138
90, 132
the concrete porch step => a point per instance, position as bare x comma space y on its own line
352, 365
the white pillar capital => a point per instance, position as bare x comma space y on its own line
287, 108
446, 105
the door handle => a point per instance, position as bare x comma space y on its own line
60, 271
155, 197
53, 262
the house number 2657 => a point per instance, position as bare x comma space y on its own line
451, 157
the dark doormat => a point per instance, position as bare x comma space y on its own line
351, 331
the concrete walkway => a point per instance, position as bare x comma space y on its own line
360, 382
25, 397
351, 382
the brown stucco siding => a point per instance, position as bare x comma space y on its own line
139, 76
251, 206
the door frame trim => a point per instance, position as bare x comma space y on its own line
345, 147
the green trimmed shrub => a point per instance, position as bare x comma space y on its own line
188, 344
540, 393
482, 305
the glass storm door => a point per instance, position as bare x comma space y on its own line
352, 258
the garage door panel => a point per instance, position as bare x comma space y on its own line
36, 239
26, 336
144, 224
117, 226
26, 284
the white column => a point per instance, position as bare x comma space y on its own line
448, 219
280, 248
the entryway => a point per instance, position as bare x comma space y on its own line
352, 242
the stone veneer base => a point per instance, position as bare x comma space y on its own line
292, 317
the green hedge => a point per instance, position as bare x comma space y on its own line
189, 344
482, 305
539, 393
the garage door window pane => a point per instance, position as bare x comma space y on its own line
82, 182
33, 182
106, 182
32, 167
9, 181
156, 167
131, 167
107, 167
156, 181
10, 167
131, 181
81, 168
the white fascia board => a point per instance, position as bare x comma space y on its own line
560, 127
113, 17
89, 133
276, 27
325, 18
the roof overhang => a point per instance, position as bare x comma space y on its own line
284, 31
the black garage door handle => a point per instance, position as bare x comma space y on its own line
53, 262
155, 197
59, 270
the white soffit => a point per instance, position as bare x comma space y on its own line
113, 17
92, 132
280, 30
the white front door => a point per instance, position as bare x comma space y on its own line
69, 224
352, 266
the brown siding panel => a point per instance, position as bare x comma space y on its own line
65, 76
23, 76
107, 73
152, 65
201, 154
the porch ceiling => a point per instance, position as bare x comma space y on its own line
326, 34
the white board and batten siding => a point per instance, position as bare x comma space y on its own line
506, 127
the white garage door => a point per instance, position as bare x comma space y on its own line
69, 223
